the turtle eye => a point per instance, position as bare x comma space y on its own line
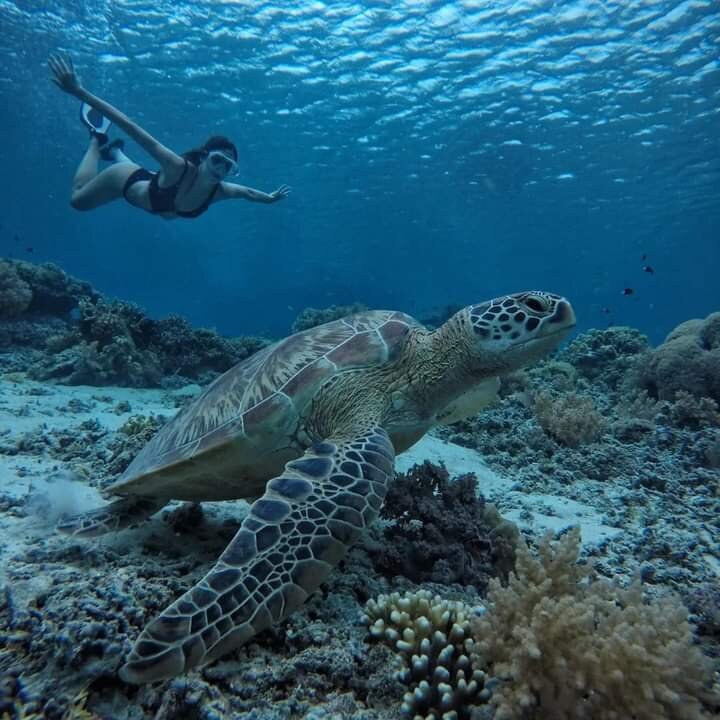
536, 303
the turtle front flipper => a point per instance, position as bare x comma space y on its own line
118, 515
287, 545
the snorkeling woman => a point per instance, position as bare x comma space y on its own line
185, 186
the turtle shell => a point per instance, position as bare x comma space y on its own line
246, 424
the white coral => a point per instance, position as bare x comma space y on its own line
434, 637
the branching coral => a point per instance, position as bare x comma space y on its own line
692, 412
434, 637
568, 649
571, 419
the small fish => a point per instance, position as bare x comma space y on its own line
627, 291
16, 238
644, 257
605, 311
648, 269
29, 249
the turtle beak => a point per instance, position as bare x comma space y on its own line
564, 315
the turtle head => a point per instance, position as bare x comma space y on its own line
514, 330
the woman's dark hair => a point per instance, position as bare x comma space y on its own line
216, 142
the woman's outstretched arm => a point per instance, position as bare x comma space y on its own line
65, 77
232, 191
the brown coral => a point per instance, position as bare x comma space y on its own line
693, 412
571, 419
688, 360
442, 530
566, 648
15, 293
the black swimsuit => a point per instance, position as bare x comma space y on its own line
162, 199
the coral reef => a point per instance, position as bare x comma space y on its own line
310, 317
606, 355
704, 604
115, 343
36, 290
566, 647
61, 329
655, 473
25, 340
694, 413
433, 636
570, 419
709, 449
131, 437
117, 363
55, 293
552, 643
688, 360
15, 293
442, 531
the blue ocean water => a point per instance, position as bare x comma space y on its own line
439, 152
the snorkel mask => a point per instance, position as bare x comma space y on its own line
221, 163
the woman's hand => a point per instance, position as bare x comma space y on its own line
63, 73
282, 192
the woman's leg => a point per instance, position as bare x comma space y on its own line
115, 151
90, 189
88, 167
119, 156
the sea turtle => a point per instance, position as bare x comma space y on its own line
310, 426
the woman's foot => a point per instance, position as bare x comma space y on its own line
114, 151
96, 123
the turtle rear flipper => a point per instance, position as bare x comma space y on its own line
287, 545
118, 515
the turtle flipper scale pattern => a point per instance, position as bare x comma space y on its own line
287, 545
124, 513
